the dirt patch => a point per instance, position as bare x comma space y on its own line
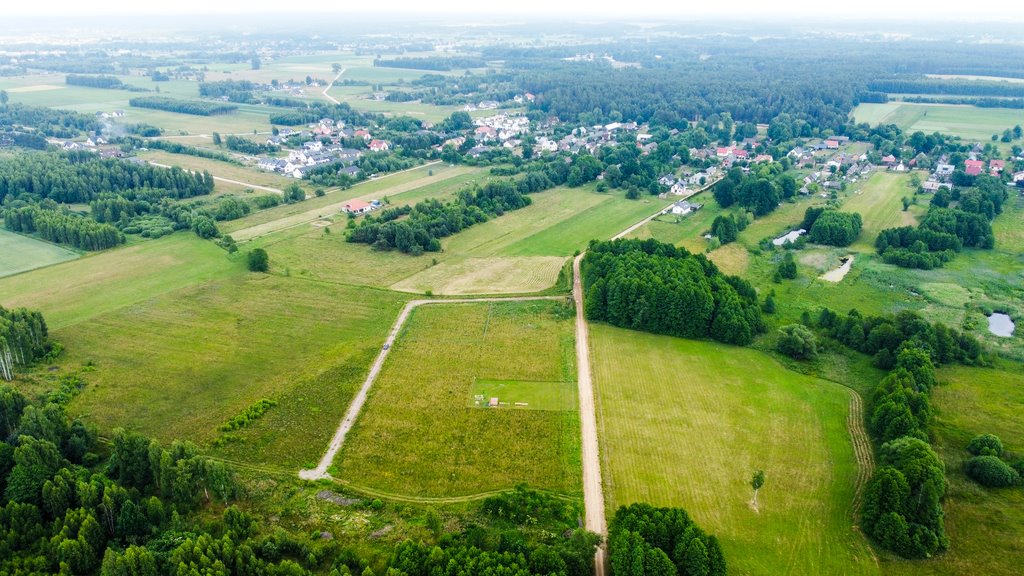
510, 275
335, 498
35, 88
837, 274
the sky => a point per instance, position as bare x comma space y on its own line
994, 10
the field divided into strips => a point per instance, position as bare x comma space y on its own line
879, 201
20, 254
986, 526
968, 122
685, 423
418, 434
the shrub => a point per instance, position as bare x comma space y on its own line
797, 341
258, 260
787, 268
985, 445
992, 472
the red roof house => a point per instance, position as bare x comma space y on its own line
996, 166
356, 207
832, 144
973, 167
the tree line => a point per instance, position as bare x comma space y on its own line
240, 91
655, 287
435, 63
945, 231
954, 87
902, 506
194, 107
62, 227
23, 340
246, 146
648, 541
77, 177
177, 148
48, 121
109, 82
430, 220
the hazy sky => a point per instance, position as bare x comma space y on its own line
991, 10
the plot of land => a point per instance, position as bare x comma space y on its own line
879, 202
486, 275
522, 395
967, 122
685, 423
180, 364
418, 435
20, 253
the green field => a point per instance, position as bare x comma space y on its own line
879, 202
418, 434
685, 423
75, 291
985, 526
968, 122
20, 253
522, 395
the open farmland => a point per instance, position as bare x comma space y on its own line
180, 364
685, 423
418, 434
20, 253
968, 122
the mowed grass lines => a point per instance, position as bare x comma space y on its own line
509, 275
417, 434
75, 291
685, 423
879, 202
985, 526
179, 365
20, 253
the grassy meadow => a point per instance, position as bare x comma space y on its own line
21, 253
968, 122
418, 433
685, 423
879, 201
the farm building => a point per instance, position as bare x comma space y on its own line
357, 207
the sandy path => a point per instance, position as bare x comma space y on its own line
328, 96
308, 216
357, 403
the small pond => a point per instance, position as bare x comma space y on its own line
788, 237
1001, 325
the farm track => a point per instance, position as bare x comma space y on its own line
331, 85
230, 181
861, 447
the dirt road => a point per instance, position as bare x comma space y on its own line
357, 403
593, 494
328, 96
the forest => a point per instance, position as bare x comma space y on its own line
194, 107
655, 287
49, 121
78, 177
648, 541
831, 227
441, 64
759, 191
240, 91
23, 340
62, 227
429, 221
108, 82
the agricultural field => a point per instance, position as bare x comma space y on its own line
21, 253
420, 432
521, 251
76, 291
968, 122
181, 364
685, 423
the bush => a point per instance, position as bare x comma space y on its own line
787, 268
991, 472
986, 445
258, 260
797, 341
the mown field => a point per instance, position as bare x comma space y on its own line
418, 435
20, 253
685, 423
521, 251
968, 122
879, 201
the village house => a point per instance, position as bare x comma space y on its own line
831, 144
889, 160
1018, 176
973, 167
362, 133
357, 207
683, 207
379, 146
996, 167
